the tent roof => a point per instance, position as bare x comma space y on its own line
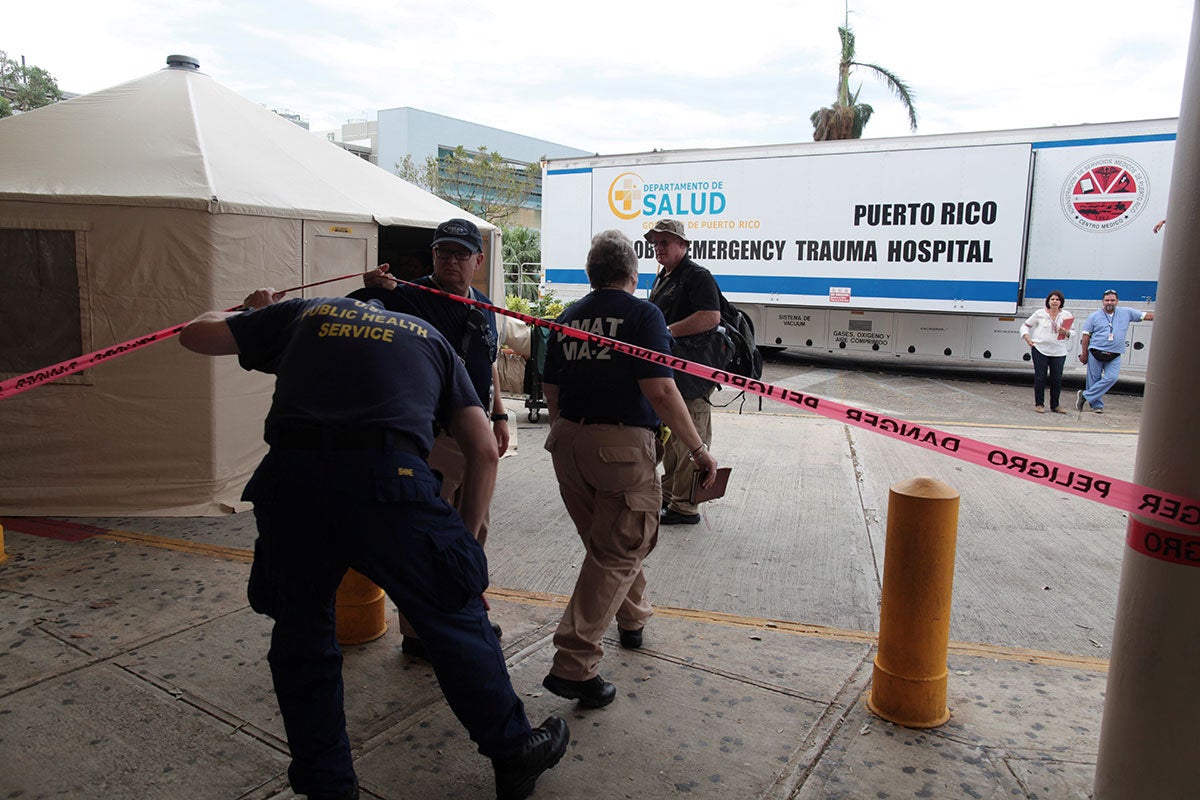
178, 139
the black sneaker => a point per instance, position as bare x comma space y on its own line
672, 517
412, 646
517, 773
593, 693
1079, 401
630, 640
496, 629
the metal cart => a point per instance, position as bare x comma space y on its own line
535, 401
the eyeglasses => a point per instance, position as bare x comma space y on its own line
448, 254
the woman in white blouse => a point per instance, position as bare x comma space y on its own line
1048, 333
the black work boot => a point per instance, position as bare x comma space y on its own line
517, 772
595, 692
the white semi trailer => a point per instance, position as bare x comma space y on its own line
930, 247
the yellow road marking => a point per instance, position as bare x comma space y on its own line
822, 632
180, 545
525, 597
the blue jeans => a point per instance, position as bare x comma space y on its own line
319, 512
1044, 367
1100, 378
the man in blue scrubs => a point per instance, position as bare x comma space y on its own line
1103, 343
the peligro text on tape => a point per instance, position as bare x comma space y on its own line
1124, 495
1176, 548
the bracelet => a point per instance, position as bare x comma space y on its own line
499, 417
692, 454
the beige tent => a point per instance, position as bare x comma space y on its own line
130, 210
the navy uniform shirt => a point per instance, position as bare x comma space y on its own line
687, 289
594, 382
459, 323
341, 363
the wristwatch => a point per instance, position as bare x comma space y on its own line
499, 417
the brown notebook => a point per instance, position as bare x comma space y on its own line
699, 494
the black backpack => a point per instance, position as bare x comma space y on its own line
729, 347
744, 358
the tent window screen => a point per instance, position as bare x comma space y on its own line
39, 302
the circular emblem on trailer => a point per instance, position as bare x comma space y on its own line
625, 195
1105, 193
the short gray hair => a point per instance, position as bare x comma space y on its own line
611, 259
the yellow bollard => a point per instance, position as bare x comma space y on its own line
359, 608
3, 555
908, 686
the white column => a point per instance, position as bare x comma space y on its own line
1150, 736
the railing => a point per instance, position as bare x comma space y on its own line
523, 280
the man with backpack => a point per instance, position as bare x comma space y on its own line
690, 300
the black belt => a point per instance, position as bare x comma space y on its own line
602, 421
298, 438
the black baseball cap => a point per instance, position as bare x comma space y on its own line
459, 231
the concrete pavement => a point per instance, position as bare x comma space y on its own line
132, 667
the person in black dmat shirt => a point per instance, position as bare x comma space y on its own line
604, 412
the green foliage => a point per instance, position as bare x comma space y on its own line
518, 304
481, 182
521, 245
25, 88
847, 117
544, 307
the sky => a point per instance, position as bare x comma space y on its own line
621, 76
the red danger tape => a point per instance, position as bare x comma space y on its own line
1163, 545
1183, 512
31, 380
1124, 495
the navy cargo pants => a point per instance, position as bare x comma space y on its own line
378, 511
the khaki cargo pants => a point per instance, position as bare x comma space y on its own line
608, 479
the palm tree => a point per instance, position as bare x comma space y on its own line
522, 254
846, 118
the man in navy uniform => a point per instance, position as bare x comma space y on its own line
457, 251
346, 484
